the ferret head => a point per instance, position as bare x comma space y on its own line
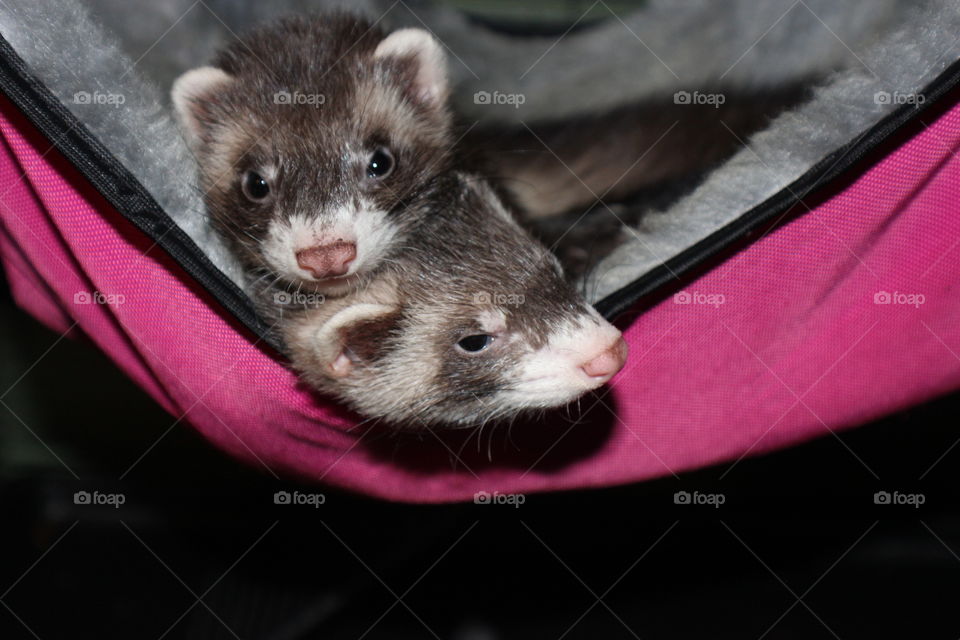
311, 135
476, 324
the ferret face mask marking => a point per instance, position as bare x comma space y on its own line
311, 136
468, 328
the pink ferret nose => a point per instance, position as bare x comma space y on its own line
608, 362
328, 260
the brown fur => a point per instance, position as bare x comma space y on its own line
555, 167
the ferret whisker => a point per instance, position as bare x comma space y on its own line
466, 441
490, 441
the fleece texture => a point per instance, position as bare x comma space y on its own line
889, 71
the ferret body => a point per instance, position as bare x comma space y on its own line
311, 133
583, 184
555, 167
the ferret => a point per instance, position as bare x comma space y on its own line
311, 134
579, 183
475, 323
554, 167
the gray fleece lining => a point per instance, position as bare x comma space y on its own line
96, 54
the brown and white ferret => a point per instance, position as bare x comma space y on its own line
311, 134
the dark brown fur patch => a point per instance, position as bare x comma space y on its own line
370, 340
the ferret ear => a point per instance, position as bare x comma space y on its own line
193, 94
430, 72
354, 337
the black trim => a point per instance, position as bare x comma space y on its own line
120, 188
766, 213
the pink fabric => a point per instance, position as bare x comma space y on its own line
781, 343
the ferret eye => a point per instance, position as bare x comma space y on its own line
475, 344
381, 163
255, 187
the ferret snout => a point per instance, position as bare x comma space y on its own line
329, 260
327, 248
577, 358
608, 362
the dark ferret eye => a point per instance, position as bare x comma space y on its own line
255, 187
381, 163
474, 344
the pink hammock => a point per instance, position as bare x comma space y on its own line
844, 313
808, 284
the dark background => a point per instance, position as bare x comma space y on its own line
795, 524
797, 550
